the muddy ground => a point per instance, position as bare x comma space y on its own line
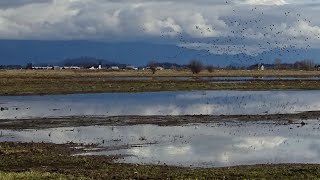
46, 160
39, 123
52, 161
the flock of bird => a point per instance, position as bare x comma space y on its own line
264, 36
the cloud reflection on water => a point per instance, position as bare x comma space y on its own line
203, 145
161, 103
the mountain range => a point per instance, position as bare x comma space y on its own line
134, 53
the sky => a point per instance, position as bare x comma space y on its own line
218, 26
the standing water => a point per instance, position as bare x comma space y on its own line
160, 103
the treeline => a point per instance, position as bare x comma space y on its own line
12, 67
306, 64
196, 65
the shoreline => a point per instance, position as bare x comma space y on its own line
57, 161
76, 121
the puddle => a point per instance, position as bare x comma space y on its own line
196, 145
161, 103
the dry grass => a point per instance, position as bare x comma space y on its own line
39, 86
147, 73
31, 82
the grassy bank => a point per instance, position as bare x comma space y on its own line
44, 161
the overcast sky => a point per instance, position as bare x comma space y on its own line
249, 26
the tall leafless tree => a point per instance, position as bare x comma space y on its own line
195, 66
277, 63
153, 66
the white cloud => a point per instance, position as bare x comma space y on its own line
234, 23
260, 143
225, 49
265, 2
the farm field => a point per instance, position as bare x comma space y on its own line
73, 82
148, 73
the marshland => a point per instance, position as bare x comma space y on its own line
90, 124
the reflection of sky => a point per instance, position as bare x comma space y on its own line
161, 103
205, 145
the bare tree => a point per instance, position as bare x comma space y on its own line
153, 66
277, 63
29, 66
195, 66
306, 64
210, 68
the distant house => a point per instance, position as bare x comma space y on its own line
114, 68
71, 67
42, 67
57, 67
159, 68
131, 68
261, 67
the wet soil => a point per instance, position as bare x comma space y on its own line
39, 123
53, 158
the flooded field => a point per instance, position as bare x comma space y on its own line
195, 145
160, 103
218, 143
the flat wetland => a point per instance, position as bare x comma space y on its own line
228, 124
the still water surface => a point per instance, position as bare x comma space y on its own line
160, 103
197, 145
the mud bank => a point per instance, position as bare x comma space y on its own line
39, 123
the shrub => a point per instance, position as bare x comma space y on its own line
195, 66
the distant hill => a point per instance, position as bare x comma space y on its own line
168, 65
85, 62
134, 53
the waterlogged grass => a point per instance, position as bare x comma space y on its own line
49, 161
